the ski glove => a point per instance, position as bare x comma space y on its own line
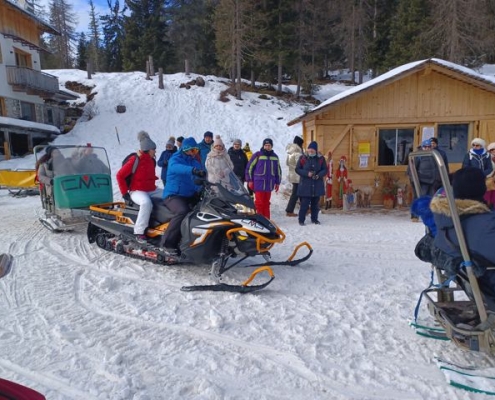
127, 197
276, 188
199, 172
251, 185
315, 177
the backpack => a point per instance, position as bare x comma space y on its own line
128, 178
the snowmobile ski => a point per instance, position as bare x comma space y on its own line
5, 264
473, 379
429, 331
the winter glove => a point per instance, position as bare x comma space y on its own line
315, 177
199, 172
165, 163
251, 185
276, 188
127, 197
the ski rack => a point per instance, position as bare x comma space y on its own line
446, 309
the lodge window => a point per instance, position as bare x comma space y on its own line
49, 116
22, 59
394, 146
28, 112
453, 139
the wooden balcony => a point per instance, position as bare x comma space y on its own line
30, 81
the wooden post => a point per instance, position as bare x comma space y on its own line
187, 67
148, 71
89, 68
160, 78
6, 148
152, 68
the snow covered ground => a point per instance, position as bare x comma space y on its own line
81, 323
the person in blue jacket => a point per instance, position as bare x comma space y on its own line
478, 157
183, 168
312, 168
205, 147
164, 159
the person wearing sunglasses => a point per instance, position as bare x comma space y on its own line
478, 157
181, 190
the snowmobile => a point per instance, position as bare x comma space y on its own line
81, 177
460, 305
222, 226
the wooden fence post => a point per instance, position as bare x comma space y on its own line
148, 71
89, 68
160, 78
186, 66
152, 68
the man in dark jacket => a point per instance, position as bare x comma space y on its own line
312, 168
164, 159
205, 147
434, 146
239, 159
428, 174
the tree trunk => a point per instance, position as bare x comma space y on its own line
151, 67
160, 78
187, 67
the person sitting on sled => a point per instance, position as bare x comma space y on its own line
181, 189
477, 221
142, 183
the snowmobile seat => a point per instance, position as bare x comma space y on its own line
159, 214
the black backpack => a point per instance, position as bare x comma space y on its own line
128, 178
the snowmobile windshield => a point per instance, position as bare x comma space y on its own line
74, 160
232, 190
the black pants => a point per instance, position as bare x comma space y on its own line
306, 202
293, 199
180, 207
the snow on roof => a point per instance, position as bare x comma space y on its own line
28, 124
395, 72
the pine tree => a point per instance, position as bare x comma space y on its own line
192, 33
145, 35
63, 19
113, 37
94, 49
82, 52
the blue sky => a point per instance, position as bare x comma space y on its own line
81, 9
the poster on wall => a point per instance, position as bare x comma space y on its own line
364, 151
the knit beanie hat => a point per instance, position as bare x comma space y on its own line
469, 183
491, 146
478, 141
189, 144
208, 134
218, 141
246, 147
180, 139
313, 145
299, 141
238, 141
145, 143
267, 141
171, 142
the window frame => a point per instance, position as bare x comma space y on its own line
400, 167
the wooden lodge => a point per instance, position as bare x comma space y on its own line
377, 124
32, 106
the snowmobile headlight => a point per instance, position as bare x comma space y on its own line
242, 209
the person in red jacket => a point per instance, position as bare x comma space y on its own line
141, 183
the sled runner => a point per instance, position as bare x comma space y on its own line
19, 182
77, 177
221, 227
464, 311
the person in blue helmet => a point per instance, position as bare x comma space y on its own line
181, 190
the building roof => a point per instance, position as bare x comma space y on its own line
28, 125
43, 26
462, 73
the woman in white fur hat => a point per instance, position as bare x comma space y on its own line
218, 163
478, 157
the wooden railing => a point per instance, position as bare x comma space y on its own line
30, 80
